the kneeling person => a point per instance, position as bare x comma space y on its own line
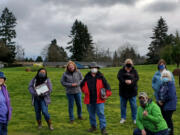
149, 118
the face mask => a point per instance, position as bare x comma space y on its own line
42, 75
94, 70
143, 103
165, 79
161, 67
128, 65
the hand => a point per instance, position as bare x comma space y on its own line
74, 84
128, 82
160, 103
143, 132
105, 97
145, 113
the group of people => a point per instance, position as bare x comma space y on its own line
151, 118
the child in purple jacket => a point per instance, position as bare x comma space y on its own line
5, 107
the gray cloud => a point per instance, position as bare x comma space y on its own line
163, 6
112, 23
80, 3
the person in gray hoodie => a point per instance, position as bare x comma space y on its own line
71, 80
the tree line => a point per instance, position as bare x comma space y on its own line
82, 48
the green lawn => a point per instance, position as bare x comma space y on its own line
23, 119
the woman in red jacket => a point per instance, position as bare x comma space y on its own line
96, 90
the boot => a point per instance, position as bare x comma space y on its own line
50, 125
80, 118
92, 129
104, 132
39, 124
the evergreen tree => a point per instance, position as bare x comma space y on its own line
7, 32
176, 50
56, 53
81, 45
4, 52
39, 59
158, 41
128, 53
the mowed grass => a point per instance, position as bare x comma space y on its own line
23, 118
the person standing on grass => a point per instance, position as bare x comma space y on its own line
167, 99
96, 90
71, 80
149, 118
156, 80
40, 102
128, 78
5, 107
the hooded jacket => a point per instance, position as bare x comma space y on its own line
6, 95
156, 83
154, 121
167, 94
101, 82
69, 78
33, 92
127, 91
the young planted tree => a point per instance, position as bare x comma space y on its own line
158, 41
7, 32
81, 45
115, 59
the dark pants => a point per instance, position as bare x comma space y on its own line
40, 106
138, 132
3, 128
77, 98
168, 118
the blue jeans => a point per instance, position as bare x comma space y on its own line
138, 132
99, 109
123, 103
40, 106
77, 98
3, 128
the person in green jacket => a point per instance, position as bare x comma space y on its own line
149, 119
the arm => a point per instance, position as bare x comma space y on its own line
120, 77
49, 85
155, 115
80, 78
171, 90
136, 77
31, 88
64, 83
107, 87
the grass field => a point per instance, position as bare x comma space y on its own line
23, 118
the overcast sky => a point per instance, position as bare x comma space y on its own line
112, 23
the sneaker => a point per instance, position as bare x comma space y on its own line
122, 121
104, 132
134, 121
71, 121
